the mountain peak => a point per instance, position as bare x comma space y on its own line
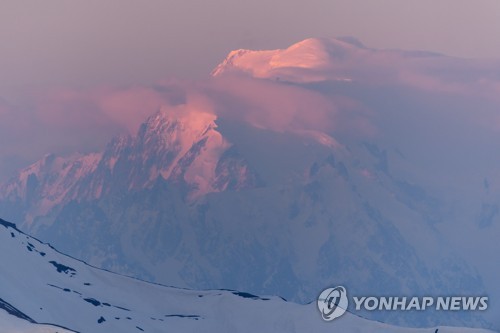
179, 144
313, 55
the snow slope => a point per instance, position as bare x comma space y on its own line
50, 287
13, 324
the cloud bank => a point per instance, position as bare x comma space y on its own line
62, 119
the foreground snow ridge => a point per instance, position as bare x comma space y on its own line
40, 285
13, 324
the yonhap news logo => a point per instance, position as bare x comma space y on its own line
333, 303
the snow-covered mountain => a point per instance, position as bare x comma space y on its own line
320, 164
276, 225
316, 57
184, 148
13, 324
49, 182
319, 59
40, 285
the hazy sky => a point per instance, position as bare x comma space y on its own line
124, 41
59, 45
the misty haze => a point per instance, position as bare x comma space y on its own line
172, 168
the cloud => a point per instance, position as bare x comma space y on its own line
64, 120
274, 106
284, 107
128, 108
